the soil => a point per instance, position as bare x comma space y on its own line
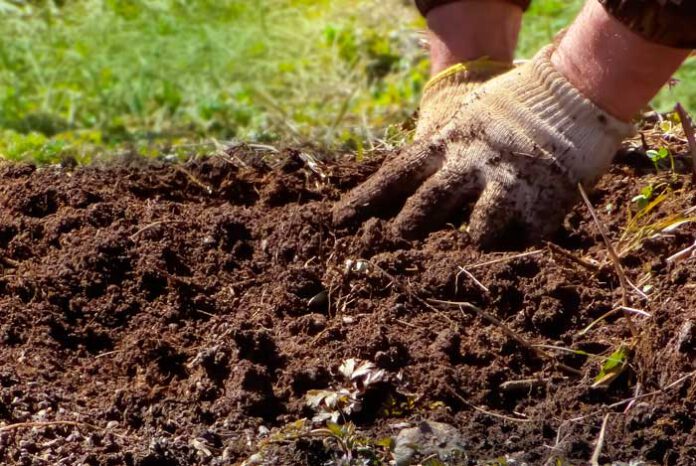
166, 314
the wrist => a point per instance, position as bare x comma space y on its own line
471, 29
613, 67
558, 121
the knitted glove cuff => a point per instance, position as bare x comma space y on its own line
475, 71
553, 98
444, 93
567, 124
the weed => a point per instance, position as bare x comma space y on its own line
656, 156
345, 399
353, 449
342, 441
643, 199
612, 367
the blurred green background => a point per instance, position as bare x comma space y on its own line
86, 78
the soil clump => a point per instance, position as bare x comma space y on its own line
169, 314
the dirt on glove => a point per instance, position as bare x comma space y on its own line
165, 314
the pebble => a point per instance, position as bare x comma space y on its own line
319, 301
427, 439
111, 424
687, 338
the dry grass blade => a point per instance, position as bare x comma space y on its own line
409, 292
594, 461
683, 254
30, 425
507, 331
503, 259
483, 411
462, 270
623, 279
568, 255
612, 312
689, 131
637, 397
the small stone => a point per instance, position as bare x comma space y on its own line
112, 424
256, 458
687, 338
427, 439
319, 302
74, 436
26, 444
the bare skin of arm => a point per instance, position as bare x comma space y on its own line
615, 68
468, 30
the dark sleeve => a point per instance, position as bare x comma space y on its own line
424, 6
666, 22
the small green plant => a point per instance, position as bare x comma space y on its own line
351, 448
340, 437
612, 367
656, 156
645, 196
345, 398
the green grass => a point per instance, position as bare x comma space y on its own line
103, 76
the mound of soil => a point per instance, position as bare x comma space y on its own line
172, 314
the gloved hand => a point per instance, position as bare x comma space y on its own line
444, 93
518, 145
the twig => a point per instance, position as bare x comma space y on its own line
483, 411
623, 280
568, 255
462, 270
594, 461
10, 262
689, 132
683, 254
409, 292
507, 331
636, 398
407, 324
520, 385
27, 425
152, 225
504, 259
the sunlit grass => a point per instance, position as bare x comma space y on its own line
94, 76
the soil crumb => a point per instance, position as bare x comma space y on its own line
165, 314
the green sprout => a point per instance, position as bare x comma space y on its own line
656, 156
612, 367
645, 196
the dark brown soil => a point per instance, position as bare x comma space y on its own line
164, 310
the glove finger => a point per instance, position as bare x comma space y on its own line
544, 213
495, 222
391, 185
437, 200
516, 211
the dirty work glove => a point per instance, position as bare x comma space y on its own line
444, 93
518, 146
